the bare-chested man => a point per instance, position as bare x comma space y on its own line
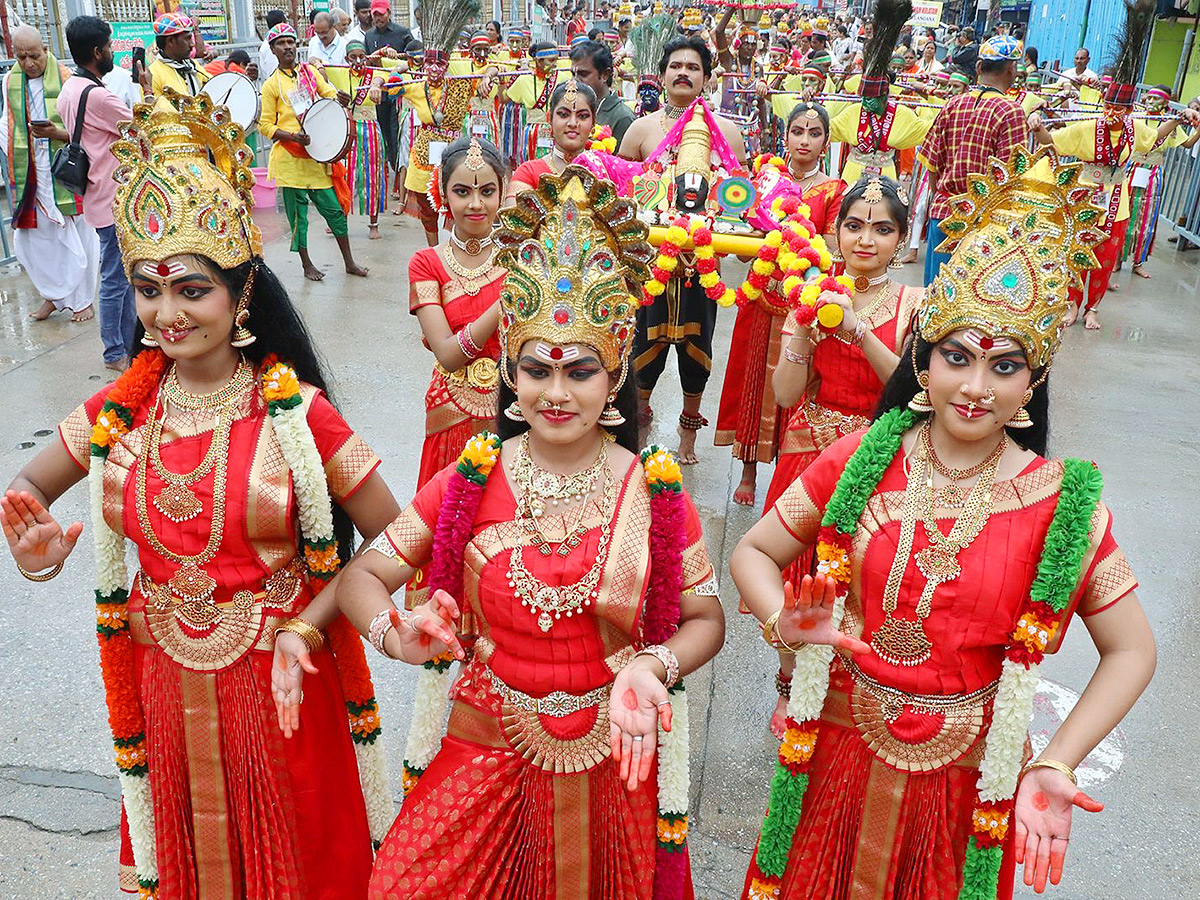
683, 315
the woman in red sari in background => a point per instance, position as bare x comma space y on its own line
572, 117
953, 554
454, 291
577, 575
238, 482
749, 418
836, 381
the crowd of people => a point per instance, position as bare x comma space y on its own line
919, 553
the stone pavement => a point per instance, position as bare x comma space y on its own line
1125, 397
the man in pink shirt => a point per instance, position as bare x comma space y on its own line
90, 41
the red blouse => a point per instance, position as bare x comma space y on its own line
431, 283
972, 616
572, 655
530, 172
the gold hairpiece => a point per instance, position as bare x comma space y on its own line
571, 93
874, 192
475, 160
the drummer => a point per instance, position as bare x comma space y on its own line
178, 40
286, 97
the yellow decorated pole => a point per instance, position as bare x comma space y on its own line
724, 244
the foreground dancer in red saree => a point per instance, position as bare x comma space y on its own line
749, 418
574, 573
454, 291
835, 383
952, 555
223, 467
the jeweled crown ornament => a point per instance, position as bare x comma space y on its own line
1020, 236
184, 183
572, 249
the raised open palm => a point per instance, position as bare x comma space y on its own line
1045, 800
34, 536
807, 617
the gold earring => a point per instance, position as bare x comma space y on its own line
242, 336
920, 402
895, 261
148, 341
1021, 419
611, 417
513, 411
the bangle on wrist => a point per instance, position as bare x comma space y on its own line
467, 344
667, 658
40, 576
378, 630
800, 359
860, 333
1049, 764
313, 639
771, 635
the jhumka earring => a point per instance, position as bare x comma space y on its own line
894, 262
611, 417
242, 336
148, 341
1020, 419
920, 402
513, 411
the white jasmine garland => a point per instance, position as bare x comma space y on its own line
373, 775
810, 680
674, 775
139, 813
1005, 744
308, 474
429, 717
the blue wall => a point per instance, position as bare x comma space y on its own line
1054, 29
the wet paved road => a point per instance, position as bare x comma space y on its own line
1125, 397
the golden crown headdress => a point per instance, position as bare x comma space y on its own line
184, 183
1020, 235
571, 247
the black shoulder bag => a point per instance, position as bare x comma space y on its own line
71, 163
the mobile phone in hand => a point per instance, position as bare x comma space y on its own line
138, 57
39, 122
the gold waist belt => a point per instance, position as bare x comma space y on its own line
481, 374
542, 742
206, 636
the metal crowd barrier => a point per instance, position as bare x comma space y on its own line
1180, 180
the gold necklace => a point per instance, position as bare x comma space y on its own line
903, 642
190, 581
862, 283
552, 602
176, 501
172, 390
952, 494
471, 279
538, 486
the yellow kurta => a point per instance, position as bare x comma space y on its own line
163, 75
525, 91
907, 131
454, 108
1079, 140
285, 169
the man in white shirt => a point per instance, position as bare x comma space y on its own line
121, 83
327, 47
267, 63
362, 22
1081, 74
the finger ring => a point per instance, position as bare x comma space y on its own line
638, 737
414, 624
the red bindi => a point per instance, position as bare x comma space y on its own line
986, 343
163, 269
556, 353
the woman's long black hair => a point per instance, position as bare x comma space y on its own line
903, 386
626, 403
279, 329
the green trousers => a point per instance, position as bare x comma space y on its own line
295, 203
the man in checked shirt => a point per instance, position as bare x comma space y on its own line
971, 127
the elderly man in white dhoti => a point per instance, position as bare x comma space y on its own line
58, 249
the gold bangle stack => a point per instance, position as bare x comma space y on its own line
1049, 764
40, 576
312, 636
772, 637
